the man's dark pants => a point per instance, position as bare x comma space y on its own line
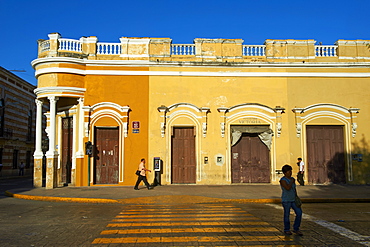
142, 178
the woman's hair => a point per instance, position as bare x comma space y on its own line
286, 168
142, 159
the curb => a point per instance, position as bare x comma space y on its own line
60, 199
124, 201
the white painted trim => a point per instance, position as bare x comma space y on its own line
352, 58
48, 60
188, 105
251, 106
121, 140
110, 104
191, 73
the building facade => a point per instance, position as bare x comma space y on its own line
213, 112
17, 125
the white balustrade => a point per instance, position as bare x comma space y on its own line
176, 49
254, 50
70, 45
108, 48
181, 49
326, 50
45, 46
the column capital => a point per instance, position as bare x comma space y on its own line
53, 98
39, 102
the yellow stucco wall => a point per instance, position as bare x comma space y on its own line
215, 85
129, 91
290, 93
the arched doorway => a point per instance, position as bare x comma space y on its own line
250, 154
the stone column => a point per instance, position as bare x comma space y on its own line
52, 154
81, 125
38, 154
79, 171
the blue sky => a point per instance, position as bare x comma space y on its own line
23, 22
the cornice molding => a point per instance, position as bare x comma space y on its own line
53, 90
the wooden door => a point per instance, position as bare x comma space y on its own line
325, 154
67, 138
250, 160
183, 156
106, 170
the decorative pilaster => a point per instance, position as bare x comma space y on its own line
205, 111
298, 123
279, 125
354, 112
223, 111
163, 110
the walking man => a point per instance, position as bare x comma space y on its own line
142, 175
300, 174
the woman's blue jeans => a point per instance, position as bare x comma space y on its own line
298, 216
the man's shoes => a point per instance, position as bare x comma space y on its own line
288, 232
299, 233
136, 188
150, 188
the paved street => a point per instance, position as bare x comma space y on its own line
174, 220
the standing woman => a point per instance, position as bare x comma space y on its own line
142, 175
288, 187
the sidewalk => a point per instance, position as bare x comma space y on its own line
249, 193
13, 173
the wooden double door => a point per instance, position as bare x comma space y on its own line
67, 149
106, 157
250, 160
183, 161
325, 154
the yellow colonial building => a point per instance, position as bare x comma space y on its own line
212, 112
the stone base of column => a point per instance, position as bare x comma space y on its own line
51, 172
37, 173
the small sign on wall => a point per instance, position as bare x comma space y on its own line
135, 127
135, 124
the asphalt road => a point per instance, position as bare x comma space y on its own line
40, 223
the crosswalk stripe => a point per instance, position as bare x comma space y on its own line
186, 239
187, 219
197, 223
169, 211
203, 223
191, 229
180, 215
